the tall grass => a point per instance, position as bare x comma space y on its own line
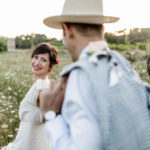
15, 81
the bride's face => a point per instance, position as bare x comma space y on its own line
40, 64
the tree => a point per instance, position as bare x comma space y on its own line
23, 41
38, 38
112, 38
27, 41
138, 35
3, 44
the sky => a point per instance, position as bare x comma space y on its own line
19, 17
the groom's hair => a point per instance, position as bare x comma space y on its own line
88, 30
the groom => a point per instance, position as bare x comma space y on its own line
100, 109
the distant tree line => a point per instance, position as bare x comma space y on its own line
27, 41
137, 37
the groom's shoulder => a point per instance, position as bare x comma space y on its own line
100, 61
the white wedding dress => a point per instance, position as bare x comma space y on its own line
31, 135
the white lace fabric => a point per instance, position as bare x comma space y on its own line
31, 135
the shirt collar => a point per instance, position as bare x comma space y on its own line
86, 49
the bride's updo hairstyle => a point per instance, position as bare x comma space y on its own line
52, 51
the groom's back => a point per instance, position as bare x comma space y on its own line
122, 102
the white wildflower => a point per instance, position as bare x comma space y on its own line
9, 88
16, 116
4, 104
2, 110
4, 126
11, 120
15, 93
143, 71
13, 111
16, 129
3, 96
9, 97
10, 106
10, 136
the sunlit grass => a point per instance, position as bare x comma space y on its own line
15, 81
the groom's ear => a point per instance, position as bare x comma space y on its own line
68, 30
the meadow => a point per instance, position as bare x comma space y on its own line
16, 79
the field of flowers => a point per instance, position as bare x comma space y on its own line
16, 79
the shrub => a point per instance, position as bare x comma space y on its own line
58, 44
122, 47
141, 46
3, 44
23, 41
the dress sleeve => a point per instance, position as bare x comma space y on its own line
36, 88
29, 111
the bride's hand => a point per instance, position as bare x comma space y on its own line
52, 98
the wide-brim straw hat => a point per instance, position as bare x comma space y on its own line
82, 11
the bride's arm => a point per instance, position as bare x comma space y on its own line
38, 104
30, 113
29, 108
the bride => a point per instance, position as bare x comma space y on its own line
31, 134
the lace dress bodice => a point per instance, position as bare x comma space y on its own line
31, 134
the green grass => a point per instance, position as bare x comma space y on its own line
15, 81
127, 47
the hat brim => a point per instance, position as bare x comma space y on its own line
56, 21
